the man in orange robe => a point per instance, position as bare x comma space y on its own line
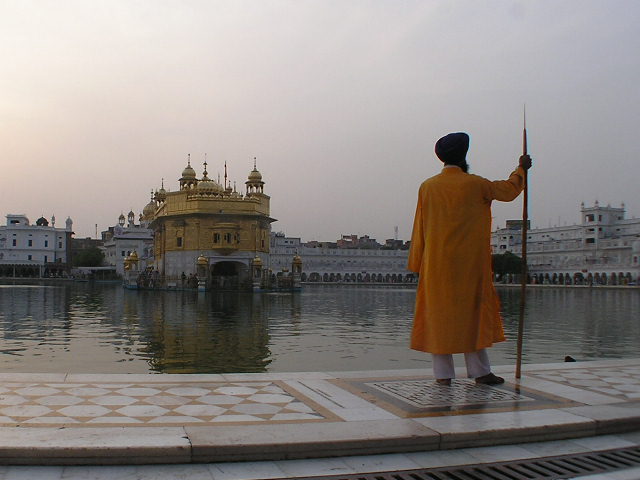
457, 308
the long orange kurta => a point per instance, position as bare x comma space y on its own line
457, 308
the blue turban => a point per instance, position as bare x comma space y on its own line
452, 148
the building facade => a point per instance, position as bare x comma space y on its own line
35, 250
121, 240
603, 249
321, 263
209, 229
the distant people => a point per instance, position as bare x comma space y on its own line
457, 309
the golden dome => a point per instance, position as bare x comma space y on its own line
202, 260
257, 260
297, 259
149, 209
255, 175
134, 256
188, 172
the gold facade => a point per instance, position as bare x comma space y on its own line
205, 218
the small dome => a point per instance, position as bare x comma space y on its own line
202, 260
257, 261
149, 209
134, 256
42, 222
255, 175
188, 172
208, 185
121, 217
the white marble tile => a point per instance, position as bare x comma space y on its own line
142, 411
116, 472
380, 463
12, 400
114, 420
603, 442
552, 448
236, 418
188, 391
113, 400
491, 428
315, 467
231, 390
255, 408
21, 411
299, 407
220, 399
503, 453
87, 391
175, 419
84, 411
59, 400
138, 391
173, 472
295, 416
167, 400
200, 410
341, 403
569, 392
271, 398
442, 458
245, 471
33, 473
37, 391
50, 420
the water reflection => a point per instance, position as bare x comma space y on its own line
103, 328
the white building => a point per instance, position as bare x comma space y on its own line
34, 250
321, 264
122, 240
603, 249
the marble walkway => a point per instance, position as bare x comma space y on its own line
75, 419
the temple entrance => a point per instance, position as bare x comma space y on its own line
229, 276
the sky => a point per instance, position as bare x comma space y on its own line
339, 101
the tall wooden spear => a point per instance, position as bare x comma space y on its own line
523, 283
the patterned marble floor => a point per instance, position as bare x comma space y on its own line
618, 381
139, 400
102, 404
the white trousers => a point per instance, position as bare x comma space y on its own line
477, 364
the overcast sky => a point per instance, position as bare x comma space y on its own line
340, 101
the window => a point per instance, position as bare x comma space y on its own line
59, 244
30, 243
123, 253
227, 237
216, 238
591, 240
46, 259
599, 218
179, 242
589, 218
29, 257
13, 242
46, 243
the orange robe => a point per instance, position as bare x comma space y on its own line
457, 308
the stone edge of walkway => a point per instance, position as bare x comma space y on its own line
161, 445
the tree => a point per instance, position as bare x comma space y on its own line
89, 257
506, 263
